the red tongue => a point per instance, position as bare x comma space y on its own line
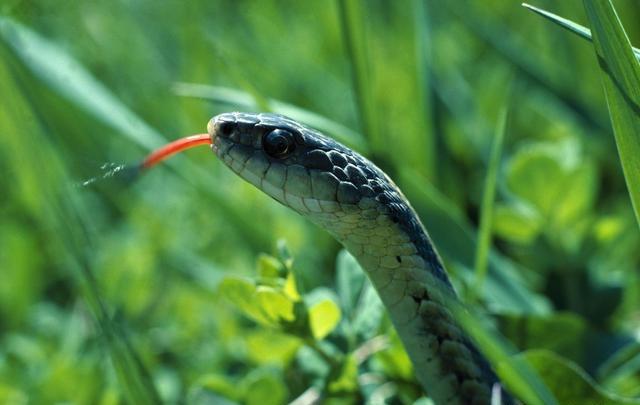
174, 147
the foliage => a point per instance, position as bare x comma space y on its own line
174, 288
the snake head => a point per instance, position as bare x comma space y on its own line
292, 163
323, 180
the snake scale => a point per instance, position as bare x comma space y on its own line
359, 205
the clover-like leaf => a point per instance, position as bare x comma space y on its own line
323, 318
277, 305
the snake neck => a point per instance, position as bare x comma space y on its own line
387, 238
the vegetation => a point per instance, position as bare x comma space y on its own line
518, 146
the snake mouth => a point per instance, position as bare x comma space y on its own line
223, 132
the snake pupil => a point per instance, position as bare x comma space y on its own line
278, 143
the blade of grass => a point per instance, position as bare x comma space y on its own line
501, 39
582, 32
424, 77
229, 65
247, 100
488, 199
515, 372
623, 363
560, 373
621, 78
46, 196
352, 20
68, 78
456, 95
72, 81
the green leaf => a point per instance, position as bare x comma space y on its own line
275, 304
12, 395
568, 382
269, 267
394, 360
369, 313
264, 387
517, 222
558, 332
323, 318
349, 281
345, 378
554, 179
271, 347
291, 287
242, 294
263, 304
621, 77
284, 254
220, 385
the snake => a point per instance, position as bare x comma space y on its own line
362, 208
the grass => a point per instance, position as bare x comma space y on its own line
119, 287
621, 77
488, 204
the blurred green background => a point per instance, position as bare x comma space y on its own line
112, 292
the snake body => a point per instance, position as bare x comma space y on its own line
359, 205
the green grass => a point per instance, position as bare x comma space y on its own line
621, 78
117, 293
488, 203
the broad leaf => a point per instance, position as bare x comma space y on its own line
568, 382
323, 318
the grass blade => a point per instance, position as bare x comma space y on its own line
352, 20
68, 78
425, 100
246, 100
582, 32
621, 78
516, 373
68, 230
490, 30
488, 198
456, 96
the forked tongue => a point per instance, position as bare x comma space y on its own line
131, 172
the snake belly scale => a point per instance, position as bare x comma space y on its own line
357, 203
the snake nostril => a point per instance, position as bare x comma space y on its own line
226, 128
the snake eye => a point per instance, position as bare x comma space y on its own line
278, 143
